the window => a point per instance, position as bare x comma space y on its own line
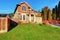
23, 17
23, 8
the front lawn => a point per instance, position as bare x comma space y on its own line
32, 32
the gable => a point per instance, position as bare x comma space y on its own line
19, 7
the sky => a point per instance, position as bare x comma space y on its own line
8, 6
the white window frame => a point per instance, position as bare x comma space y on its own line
22, 17
23, 8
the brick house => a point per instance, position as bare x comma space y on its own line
24, 13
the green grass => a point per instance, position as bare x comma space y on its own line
32, 32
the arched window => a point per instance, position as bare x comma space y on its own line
23, 8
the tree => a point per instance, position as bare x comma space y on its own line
53, 14
59, 10
11, 15
44, 13
56, 11
49, 14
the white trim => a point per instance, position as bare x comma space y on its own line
30, 17
34, 18
26, 3
22, 17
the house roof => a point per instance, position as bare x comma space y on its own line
16, 7
20, 4
38, 14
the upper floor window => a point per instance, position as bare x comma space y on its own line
23, 8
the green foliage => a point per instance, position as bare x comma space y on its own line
49, 14
11, 15
46, 13
32, 32
56, 11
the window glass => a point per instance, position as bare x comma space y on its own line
23, 17
23, 8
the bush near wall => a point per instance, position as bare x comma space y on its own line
51, 21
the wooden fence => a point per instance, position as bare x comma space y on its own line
4, 23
